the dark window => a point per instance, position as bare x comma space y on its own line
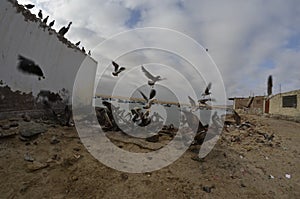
289, 101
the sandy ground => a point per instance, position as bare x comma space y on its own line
244, 164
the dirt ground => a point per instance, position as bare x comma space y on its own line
244, 164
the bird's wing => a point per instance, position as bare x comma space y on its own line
147, 73
193, 103
144, 96
122, 68
208, 88
152, 94
115, 65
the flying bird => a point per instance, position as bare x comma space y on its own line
152, 79
203, 101
118, 69
149, 100
64, 29
51, 24
193, 104
29, 6
270, 85
207, 90
28, 66
40, 14
46, 20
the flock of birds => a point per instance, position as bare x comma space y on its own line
61, 32
140, 115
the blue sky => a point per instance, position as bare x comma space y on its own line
248, 40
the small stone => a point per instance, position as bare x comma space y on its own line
6, 127
28, 158
14, 124
154, 138
26, 118
36, 166
54, 140
124, 176
207, 189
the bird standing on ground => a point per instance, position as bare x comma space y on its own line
29, 6
51, 24
64, 30
118, 69
40, 14
46, 20
207, 90
270, 85
152, 79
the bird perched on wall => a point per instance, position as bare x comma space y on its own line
29, 6
89, 53
149, 100
83, 49
28, 66
77, 44
64, 30
40, 14
152, 79
51, 24
118, 69
207, 90
46, 20
270, 85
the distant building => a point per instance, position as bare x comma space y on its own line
286, 104
249, 105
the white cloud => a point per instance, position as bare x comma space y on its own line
240, 35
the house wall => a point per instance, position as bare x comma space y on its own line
257, 106
21, 33
276, 105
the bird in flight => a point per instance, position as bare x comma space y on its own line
149, 100
207, 90
193, 104
29, 67
152, 79
118, 69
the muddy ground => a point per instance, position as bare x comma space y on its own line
246, 163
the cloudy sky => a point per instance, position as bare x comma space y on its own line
248, 40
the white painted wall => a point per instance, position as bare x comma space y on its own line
59, 62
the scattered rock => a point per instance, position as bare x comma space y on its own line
14, 125
34, 166
154, 138
124, 176
28, 158
7, 134
6, 127
54, 140
26, 118
208, 189
32, 131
